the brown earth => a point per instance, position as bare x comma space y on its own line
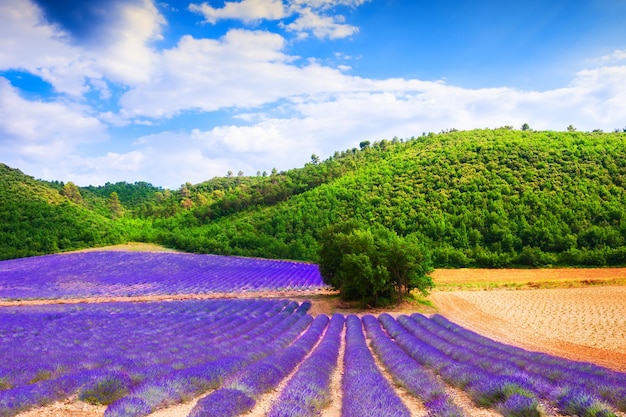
584, 324
465, 278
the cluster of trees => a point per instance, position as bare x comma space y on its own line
375, 265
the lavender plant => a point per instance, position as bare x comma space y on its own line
92, 274
263, 375
411, 375
223, 403
307, 392
366, 392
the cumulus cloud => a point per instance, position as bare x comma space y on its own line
311, 16
28, 43
127, 56
243, 69
122, 53
612, 58
331, 27
43, 129
246, 10
36, 134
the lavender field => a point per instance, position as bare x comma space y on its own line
94, 274
225, 355
265, 356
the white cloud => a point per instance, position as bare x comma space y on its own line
612, 58
312, 16
127, 56
243, 69
27, 43
43, 130
331, 27
245, 10
36, 135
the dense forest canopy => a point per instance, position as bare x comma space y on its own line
493, 197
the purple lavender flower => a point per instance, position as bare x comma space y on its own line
91, 274
577, 403
106, 389
365, 391
519, 405
128, 407
224, 403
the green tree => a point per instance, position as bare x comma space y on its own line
117, 210
71, 191
373, 264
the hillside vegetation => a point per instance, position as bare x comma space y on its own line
476, 198
36, 219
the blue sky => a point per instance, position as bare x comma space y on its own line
172, 92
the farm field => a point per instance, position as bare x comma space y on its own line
472, 279
274, 356
586, 323
132, 274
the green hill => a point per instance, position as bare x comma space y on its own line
480, 198
36, 219
476, 198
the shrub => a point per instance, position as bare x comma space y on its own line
106, 389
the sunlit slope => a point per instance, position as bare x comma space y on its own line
35, 219
484, 197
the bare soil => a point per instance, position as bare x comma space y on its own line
465, 278
584, 324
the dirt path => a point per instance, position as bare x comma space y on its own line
295, 295
585, 324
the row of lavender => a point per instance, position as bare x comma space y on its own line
92, 274
141, 357
136, 357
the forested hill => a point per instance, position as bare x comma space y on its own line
36, 219
479, 198
476, 198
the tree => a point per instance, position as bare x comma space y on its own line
115, 206
525, 127
71, 191
373, 264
